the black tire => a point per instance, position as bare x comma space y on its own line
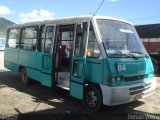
92, 99
24, 78
155, 65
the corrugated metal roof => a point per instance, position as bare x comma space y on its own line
148, 31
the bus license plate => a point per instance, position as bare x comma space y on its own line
138, 97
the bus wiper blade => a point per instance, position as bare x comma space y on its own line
125, 54
129, 55
140, 53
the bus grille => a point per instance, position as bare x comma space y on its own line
133, 78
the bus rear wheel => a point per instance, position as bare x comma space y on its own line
92, 98
24, 78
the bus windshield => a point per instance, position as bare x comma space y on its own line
120, 39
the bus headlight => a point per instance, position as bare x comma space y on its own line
115, 78
118, 78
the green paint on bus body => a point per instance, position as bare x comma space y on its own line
99, 71
136, 71
11, 59
110, 72
39, 67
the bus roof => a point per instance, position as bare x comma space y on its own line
69, 20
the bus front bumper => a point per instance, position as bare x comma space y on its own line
128, 93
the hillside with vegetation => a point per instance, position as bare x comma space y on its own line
3, 26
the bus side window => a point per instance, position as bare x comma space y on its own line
41, 38
48, 38
13, 38
92, 49
29, 38
80, 42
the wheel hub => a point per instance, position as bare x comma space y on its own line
91, 98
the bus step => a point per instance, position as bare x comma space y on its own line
63, 87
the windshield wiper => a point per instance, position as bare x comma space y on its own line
129, 55
140, 53
126, 55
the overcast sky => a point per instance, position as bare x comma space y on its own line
135, 11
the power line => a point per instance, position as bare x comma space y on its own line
98, 8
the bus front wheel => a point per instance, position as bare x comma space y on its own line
155, 65
24, 77
92, 98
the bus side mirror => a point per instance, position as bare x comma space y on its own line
79, 30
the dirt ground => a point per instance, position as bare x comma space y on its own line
40, 102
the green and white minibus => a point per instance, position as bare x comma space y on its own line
99, 59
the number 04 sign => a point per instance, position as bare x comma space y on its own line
121, 67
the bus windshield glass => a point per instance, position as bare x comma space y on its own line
120, 39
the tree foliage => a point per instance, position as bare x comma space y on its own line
4, 23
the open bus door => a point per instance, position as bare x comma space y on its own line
78, 61
47, 42
47, 49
